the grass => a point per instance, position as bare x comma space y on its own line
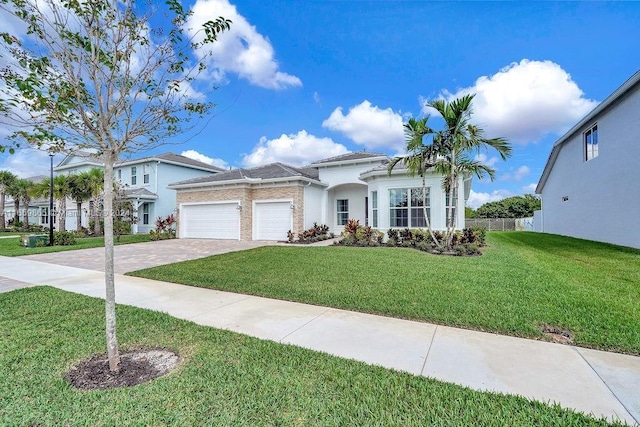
13, 247
522, 282
224, 378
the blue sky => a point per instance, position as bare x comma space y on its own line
302, 80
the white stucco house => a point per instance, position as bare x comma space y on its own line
265, 202
145, 181
589, 186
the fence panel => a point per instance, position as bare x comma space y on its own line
492, 224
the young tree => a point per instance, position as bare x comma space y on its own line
21, 190
6, 179
447, 153
113, 77
80, 191
61, 190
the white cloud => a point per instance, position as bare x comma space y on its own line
521, 172
294, 149
316, 97
369, 126
241, 50
486, 160
525, 101
193, 154
28, 162
478, 199
530, 189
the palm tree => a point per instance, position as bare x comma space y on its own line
419, 160
61, 191
21, 192
95, 185
6, 179
80, 191
455, 143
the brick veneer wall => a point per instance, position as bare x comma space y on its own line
246, 196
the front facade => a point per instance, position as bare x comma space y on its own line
145, 181
589, 184
264, 203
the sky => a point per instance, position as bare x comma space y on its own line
299, 81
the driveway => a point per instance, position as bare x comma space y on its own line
136, 256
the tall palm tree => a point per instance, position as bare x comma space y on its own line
61, 191
80, 191
455, 143
6, 179
420, 159
95, 185
21, 191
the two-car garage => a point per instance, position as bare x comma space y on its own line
271, 220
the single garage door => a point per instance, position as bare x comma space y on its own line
272, 220
210, 221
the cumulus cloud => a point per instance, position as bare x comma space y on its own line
486, 160
478, 199
242, 50
295, 149
521, 172
530, 189
28, 162
525, 101
193, 154
368, 125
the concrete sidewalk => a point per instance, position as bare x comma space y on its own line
594, 382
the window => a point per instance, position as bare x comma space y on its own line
406, 207
591, 143
453, 206
145, 213
119, 174
145, 174
44, 216
342, 211
374, 208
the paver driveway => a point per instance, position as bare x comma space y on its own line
136, 256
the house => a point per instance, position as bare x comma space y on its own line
589, 184
265, 202
145, 181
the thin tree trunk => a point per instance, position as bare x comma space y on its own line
425, 213
109, 278
16, 214
62, 214
2, 218
25, 214
79, 216
96, 218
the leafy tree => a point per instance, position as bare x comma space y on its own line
511, 207
112, 77
469, 212
447, 152
6, 179
61, 190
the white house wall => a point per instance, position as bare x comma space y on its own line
356, 194
313, 211
598, 199
342, 174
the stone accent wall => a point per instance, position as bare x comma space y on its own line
246, 196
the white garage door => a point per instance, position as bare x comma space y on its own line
272, 220
210, 221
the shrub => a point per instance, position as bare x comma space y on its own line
316, 233
64, 238
164, 228
481, 234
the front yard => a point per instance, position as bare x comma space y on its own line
522, 283
224, 378
13, 247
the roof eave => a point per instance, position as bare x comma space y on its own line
350, 162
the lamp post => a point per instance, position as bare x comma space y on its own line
51, 201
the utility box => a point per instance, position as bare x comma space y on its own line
35, 240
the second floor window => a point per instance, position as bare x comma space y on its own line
145, 174
591, 143
134, 177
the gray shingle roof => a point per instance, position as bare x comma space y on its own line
358, 155
140, 192
266, 172
174, 158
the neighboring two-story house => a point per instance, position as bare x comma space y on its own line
265, 202
145, 181
589, 185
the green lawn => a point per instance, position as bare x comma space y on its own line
224, 378
523, 281
13, 247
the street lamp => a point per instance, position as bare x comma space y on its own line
51, 201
